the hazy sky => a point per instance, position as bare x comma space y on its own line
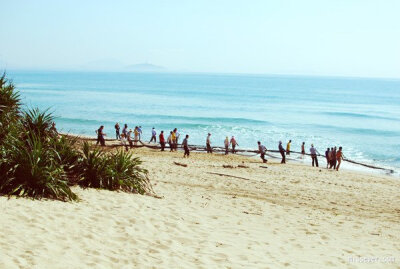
316, 37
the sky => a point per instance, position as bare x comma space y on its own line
308, 37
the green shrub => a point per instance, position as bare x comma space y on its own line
10, 100
92, 167
31, 168
39, 123
124, 173
114, 171
9, 108
36, 162
66, 149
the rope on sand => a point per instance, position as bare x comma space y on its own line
242, 152
225, 175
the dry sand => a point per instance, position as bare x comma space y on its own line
289, 215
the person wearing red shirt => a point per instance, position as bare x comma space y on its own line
162, 140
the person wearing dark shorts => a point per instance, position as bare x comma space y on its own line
186, 146
117, 134
327, 153
334, 161
125, 130
208, 143
153, 136
288, 147
162, 140
100, 136
234, 144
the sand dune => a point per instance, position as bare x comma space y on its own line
282, 216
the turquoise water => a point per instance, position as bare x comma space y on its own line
362, 115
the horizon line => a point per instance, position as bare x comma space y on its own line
196, 72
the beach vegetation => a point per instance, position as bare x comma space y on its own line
32, 168
36, 122
10, 102
112, 171
37, 162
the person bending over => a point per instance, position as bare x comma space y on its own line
234, 144
262, 150
100, 136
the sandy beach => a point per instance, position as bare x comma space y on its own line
291, 215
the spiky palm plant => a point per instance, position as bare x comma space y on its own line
115, 171
30, 164
68, 155
37, 122
9, 107
36, 162
125, 173
9, 98
33, 169
92, 167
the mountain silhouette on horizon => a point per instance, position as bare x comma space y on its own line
145, 67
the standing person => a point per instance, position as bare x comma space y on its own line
140, 132
234, 144
162, 140
117, 135
170, 141
314, 152
124, 141
334, 158
262, 150
303, 150
177, 134
288, 147
208, 143
330, 158
327, 154
186, 146
173, 140
226, 142
282, 151
137, 135
153, 135
125, 130
339, 157
100, 136
129, 138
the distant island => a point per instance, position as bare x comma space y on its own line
116, 65
145, 67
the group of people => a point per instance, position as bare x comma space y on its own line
227, 143
127, 136
333, 156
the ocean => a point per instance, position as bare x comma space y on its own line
360, 114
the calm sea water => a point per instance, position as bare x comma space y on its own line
362, 115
